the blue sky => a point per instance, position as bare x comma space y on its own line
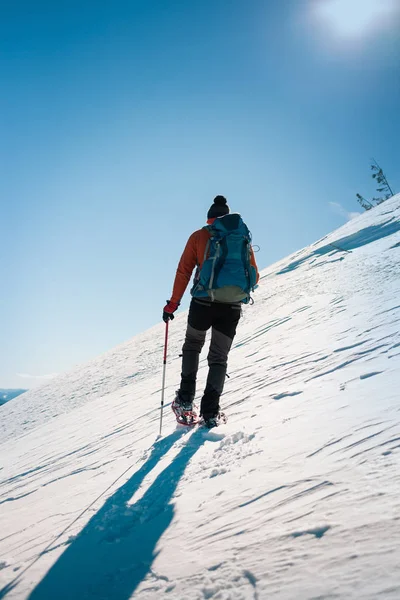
120, 121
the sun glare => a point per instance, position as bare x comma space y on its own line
355, 18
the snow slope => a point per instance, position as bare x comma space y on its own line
297, 497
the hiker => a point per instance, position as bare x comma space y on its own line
226, 274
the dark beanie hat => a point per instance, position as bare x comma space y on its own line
220, 208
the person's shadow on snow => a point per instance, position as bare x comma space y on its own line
115, 550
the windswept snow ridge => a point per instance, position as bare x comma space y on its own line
297, 497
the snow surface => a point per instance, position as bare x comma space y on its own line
297, 497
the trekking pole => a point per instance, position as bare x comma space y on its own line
164, 371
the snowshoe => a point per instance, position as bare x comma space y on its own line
216, 421
185, 412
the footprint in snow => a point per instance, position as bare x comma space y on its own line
317, 532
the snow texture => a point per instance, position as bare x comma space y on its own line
297, 497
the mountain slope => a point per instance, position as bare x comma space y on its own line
296, 497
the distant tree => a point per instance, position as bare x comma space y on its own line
383, 187
364, 203
383, 184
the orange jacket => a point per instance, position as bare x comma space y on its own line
193, 256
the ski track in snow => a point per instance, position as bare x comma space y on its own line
297, 497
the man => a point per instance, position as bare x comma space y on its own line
226, 274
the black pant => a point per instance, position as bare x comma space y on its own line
223, 318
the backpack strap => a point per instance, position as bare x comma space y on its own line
206, 248
196, 280
246, 260
215, 258
220, 258
221, 251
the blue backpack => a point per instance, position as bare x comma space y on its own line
227, 274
